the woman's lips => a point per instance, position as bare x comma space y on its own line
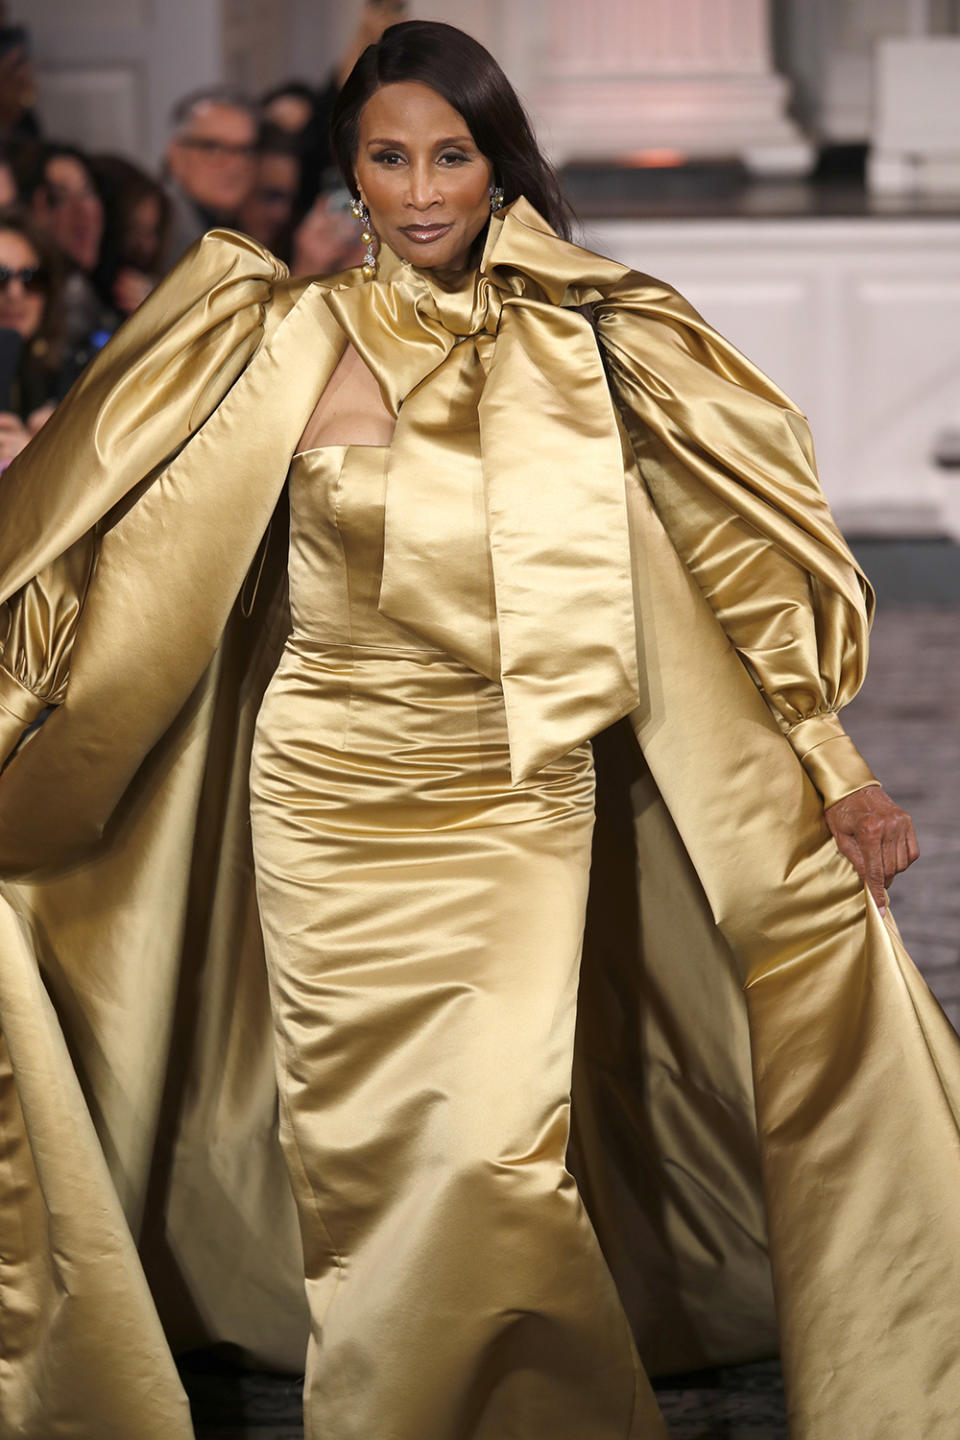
424, 234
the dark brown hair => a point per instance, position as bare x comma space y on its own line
457, 67
122, 186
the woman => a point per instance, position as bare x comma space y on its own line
487, 533
37, 373
136, 211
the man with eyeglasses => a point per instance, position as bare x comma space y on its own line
209, 164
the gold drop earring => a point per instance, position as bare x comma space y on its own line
360, 212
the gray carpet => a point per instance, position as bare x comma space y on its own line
745, 1403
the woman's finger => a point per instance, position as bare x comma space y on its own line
872, 853
849, 848
903, 852
888, 856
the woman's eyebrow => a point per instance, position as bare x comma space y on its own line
438, 144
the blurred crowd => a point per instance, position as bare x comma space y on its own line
84, 237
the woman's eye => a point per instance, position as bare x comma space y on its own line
388, 157
454, 157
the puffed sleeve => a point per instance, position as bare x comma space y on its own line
37, 628
132, 410
728, 461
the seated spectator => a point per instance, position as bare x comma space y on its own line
18, 89
269, 212
327, 239
8, 180
288, 107
38, 366
304, 111
136, 223
209, 164
57, 185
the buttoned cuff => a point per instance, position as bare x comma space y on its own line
830, 757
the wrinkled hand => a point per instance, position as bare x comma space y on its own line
875, 835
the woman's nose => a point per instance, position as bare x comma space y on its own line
423, 188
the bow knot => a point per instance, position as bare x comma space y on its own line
506, 540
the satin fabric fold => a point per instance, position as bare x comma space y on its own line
530, 512
498, 526
751, 621
422, 919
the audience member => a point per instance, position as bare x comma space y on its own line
209, 164
136, 224
8, 180
18, 90
288, 107
37, 367
269, 212
326, 240
57, 185
305, 112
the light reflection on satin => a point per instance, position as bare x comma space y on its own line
138, 1095
423, 921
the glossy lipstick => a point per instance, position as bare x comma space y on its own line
425, 234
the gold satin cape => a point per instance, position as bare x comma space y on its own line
763, 1084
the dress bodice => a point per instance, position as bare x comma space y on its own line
337, 497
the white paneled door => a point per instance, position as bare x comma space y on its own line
110, 70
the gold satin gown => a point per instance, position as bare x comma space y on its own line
423, 921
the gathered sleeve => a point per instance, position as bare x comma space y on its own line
151, 387
729, 464
37, 629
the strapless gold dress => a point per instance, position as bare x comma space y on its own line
423, 922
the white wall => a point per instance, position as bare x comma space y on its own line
109, 70
858, 321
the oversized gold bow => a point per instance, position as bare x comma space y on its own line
505, 493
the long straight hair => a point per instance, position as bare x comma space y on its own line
457, 67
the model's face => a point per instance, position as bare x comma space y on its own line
421, 176
21, 305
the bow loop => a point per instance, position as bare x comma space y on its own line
506, 540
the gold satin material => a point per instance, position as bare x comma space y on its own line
422, 919
531, 513
131, 971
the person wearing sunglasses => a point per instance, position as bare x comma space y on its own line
59, 192
209, 165
33, 376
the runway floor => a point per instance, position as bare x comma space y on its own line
905, 722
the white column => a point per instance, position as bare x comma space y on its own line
694, 76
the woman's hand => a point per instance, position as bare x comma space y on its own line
875, 835
13, 436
